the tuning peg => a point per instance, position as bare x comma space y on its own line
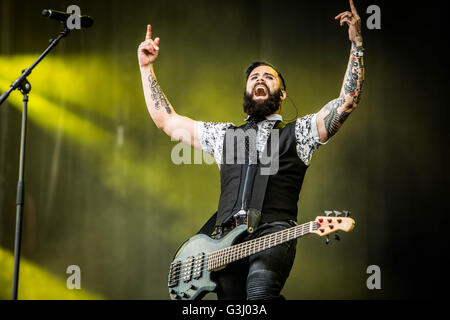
337, 213
336, 236
346, 213
328, 213
327, 240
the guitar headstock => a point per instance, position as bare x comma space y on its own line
333, 221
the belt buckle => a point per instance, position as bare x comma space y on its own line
240, 217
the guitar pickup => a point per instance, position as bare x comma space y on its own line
188, 269
198, 265
174, 274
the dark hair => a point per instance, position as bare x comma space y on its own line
255, 64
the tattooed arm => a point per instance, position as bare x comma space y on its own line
163, 114
331, 117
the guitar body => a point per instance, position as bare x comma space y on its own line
189, 278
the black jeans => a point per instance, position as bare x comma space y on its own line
260, 276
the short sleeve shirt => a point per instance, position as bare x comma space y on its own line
211, 136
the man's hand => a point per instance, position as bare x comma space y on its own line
148, 50
353, 21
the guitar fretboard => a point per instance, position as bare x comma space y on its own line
222, 257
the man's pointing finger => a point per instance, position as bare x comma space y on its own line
148, 36
353, 8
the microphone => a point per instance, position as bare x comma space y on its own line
85, 21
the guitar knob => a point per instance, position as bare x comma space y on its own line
185, 295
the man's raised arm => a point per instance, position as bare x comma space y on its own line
163, 114
331, 117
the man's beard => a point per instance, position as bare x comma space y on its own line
262, 109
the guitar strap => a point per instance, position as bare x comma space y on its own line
256, 203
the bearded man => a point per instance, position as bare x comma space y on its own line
262, 275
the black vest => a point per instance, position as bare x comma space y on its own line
283, 188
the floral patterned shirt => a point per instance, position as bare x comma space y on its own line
211, 136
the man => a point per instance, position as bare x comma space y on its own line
262, 275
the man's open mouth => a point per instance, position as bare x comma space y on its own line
260, 90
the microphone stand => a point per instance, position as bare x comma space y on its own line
24, 86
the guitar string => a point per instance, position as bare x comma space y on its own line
236, 251
209, 263
246, 248
256, 245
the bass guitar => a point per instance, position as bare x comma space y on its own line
200, 255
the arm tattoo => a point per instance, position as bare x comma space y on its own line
351, 78
350, 92
354, 76
333, 120
157, 95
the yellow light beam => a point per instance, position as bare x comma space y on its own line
36, 283
122, 169
87, 82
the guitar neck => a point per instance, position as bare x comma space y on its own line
222, 257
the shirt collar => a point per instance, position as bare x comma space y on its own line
273, 117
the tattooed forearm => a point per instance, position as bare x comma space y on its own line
331, 117
354, 76
334, 119
351, 78
157, 95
